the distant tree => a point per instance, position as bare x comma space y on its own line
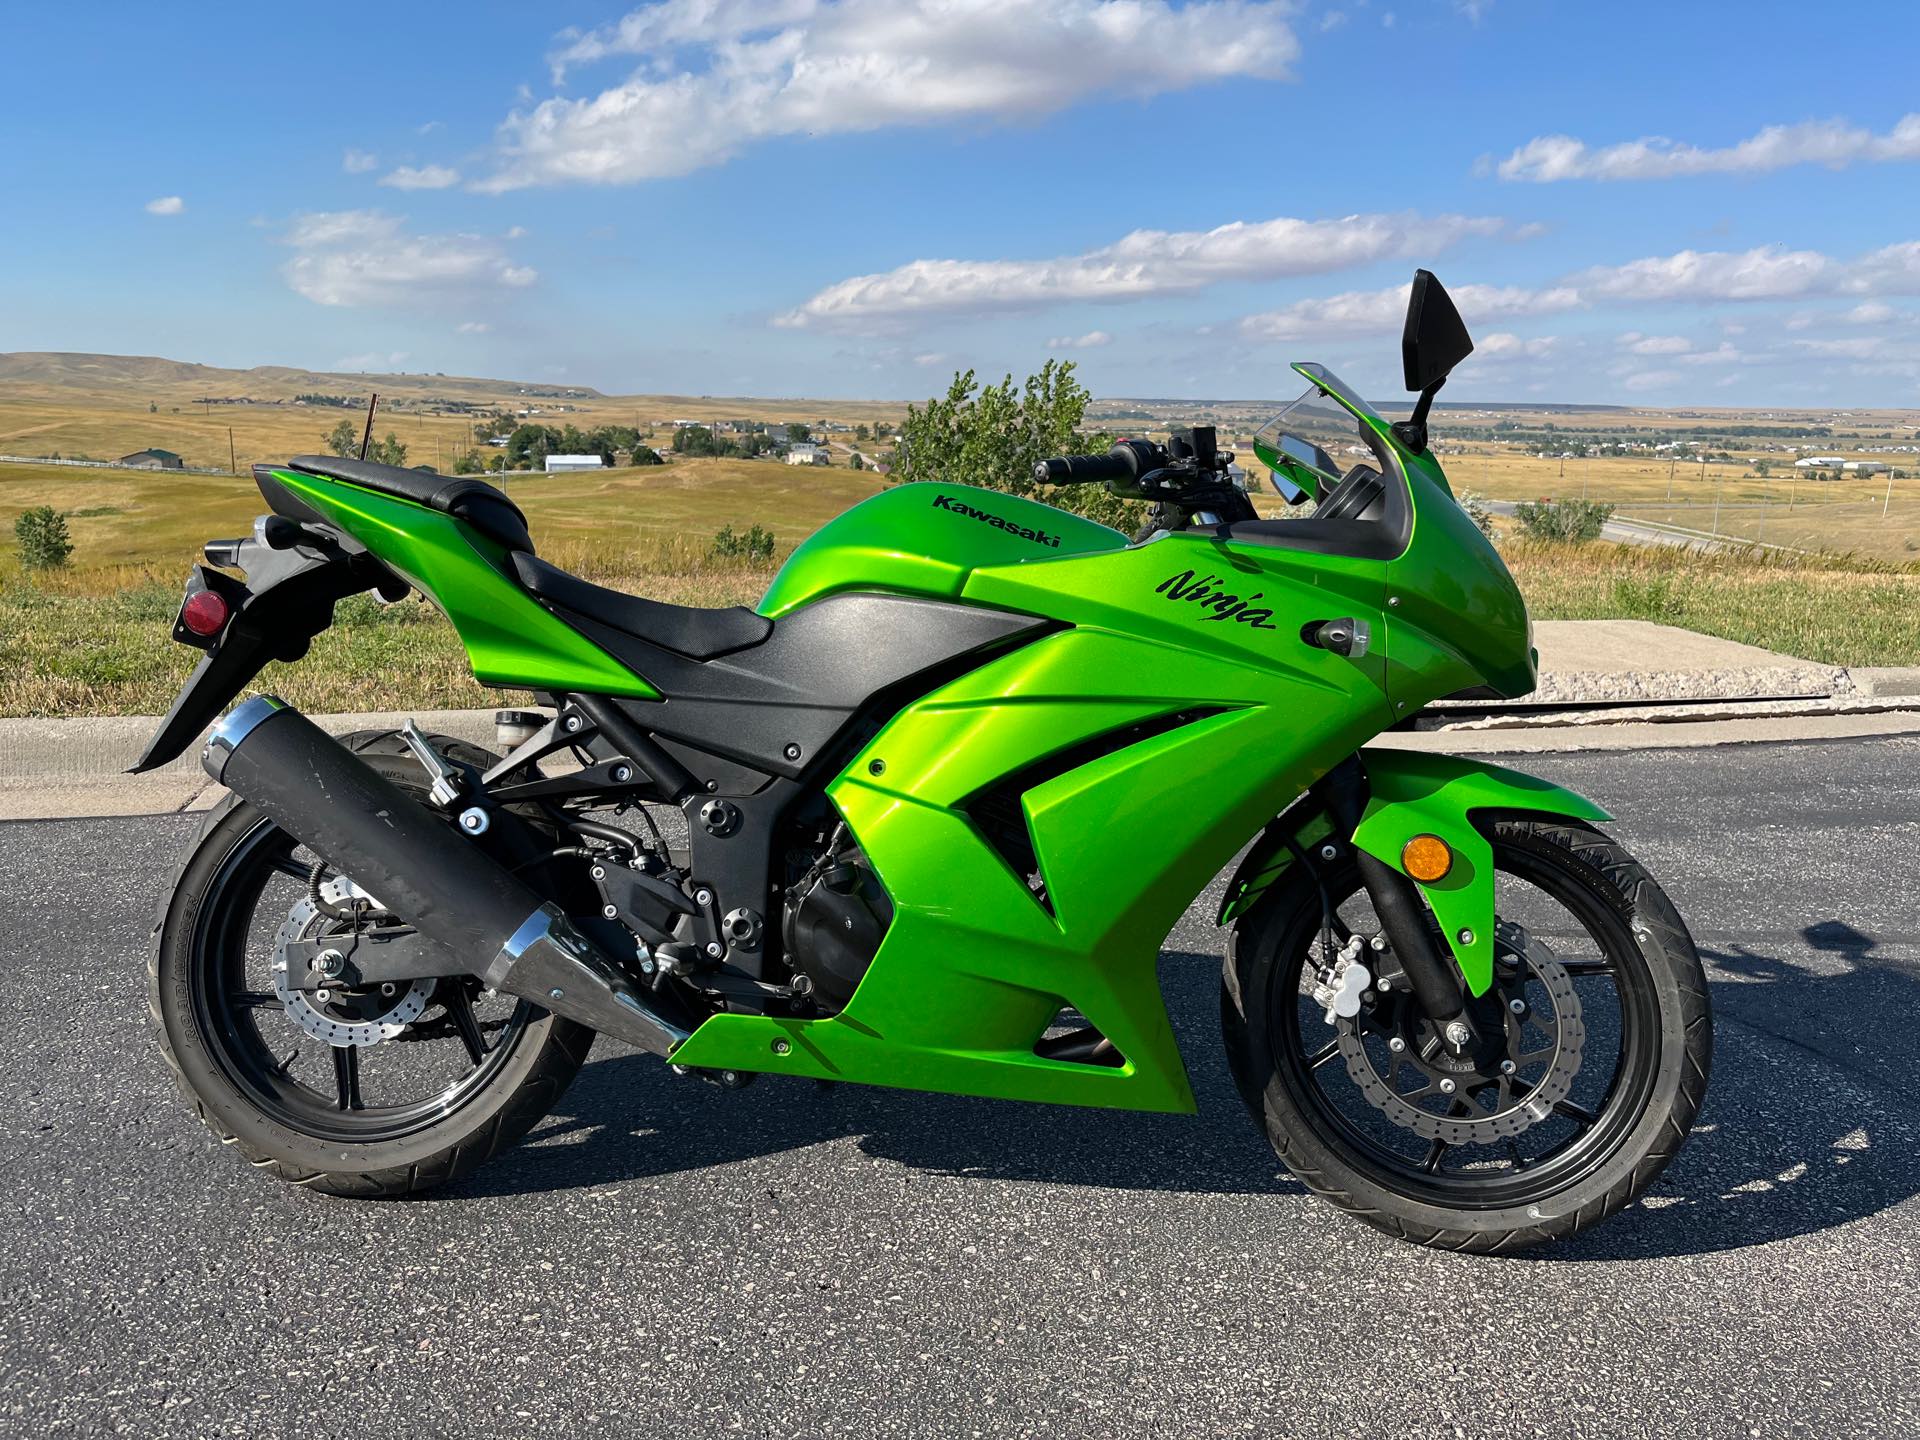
152, 408
344, 440
645, 455
529, 445
856, 462
798, 430
860, 432
467, 463
993, 437
387, 451
755, 544
696, 440
42, 533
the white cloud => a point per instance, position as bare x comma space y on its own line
374, 360
474, 327
1817, 142
717, 75
1766, 273
1332, 20
1640, 344
1651, 380
1503, 345
1092, 340
1872, 312
931, 357
359, 162
166, 205
1142, 264
1360, 312
366, 257
425, 177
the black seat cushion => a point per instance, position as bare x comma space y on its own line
486, 509
683, 629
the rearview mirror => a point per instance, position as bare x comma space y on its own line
1436, 338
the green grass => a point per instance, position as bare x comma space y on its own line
1838, 611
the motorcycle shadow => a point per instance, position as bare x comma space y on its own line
1812, 1116
630, 1118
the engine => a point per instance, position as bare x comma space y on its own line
836, 915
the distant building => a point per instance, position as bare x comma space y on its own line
558, 463
805, 453
1867, 467
1822, 462
154, 460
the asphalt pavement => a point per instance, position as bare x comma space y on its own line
664, 1257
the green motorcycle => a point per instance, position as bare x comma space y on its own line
923, 819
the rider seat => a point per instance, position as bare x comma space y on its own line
684, 629
479, 504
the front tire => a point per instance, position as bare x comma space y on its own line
316, 1118
1618, 1085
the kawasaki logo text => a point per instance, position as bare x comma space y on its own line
1224, 605
1038, 537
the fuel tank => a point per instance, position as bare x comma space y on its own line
926, 539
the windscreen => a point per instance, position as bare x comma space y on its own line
1310, 445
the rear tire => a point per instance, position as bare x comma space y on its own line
1666, 1038
193, 938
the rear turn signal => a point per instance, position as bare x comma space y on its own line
205, 614
1426, 858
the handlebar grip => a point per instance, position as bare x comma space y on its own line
1083, 469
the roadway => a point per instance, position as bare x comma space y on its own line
667, 1257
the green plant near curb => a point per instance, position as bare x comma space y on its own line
42, 535
1567, 521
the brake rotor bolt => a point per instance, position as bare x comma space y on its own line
387, 988
323, 996
1458, 1033
1396, 1044
1507, 1067
1518, 1007
1447, 1087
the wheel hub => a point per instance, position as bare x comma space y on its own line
364, 1015
1408, 1072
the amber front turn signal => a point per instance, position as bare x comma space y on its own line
1426, 858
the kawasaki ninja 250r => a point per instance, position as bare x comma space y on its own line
941, 795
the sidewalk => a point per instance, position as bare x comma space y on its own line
1623, 674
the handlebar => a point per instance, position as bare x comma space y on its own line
1127, 460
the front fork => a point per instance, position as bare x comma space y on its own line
1396, 900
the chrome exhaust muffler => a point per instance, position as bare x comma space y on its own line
488, 921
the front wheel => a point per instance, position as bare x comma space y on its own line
1592, 1058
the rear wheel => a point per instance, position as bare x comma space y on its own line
1592, 1062
440, 1076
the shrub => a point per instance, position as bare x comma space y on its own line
1568, 521
42, 533
755, 544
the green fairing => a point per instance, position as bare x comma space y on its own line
926, 540
510, 639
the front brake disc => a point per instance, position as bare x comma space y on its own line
1480, 1108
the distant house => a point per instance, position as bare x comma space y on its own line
154, 460
556, 463
805, 453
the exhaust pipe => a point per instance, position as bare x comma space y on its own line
490, 923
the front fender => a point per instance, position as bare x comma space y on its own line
1411, 793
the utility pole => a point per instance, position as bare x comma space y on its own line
1714, 528
1887, 504
1672, 460
1586, 474
233, 464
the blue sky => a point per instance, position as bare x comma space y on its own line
1652, 203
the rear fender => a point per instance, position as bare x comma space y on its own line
1415, 793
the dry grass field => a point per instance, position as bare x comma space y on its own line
93, 638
